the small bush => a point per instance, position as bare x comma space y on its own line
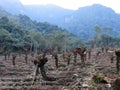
98, 78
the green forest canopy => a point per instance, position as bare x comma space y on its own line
17, 31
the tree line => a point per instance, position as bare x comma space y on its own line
18, 31
37, 35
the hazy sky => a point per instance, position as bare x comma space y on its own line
75, 4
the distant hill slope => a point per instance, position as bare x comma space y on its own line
81, 22
26, 23
12, 6
19, 30
43, 13
49, 13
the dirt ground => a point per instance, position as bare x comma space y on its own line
72, 77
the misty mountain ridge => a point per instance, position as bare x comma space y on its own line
48, 13
81, 22
12, 6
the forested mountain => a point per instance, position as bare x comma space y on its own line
12, 6
81, 22
86, 22
19, 30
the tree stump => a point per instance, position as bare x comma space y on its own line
39, 63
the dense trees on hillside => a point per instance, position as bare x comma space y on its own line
21, 30
103, 38
18, 31
80, 22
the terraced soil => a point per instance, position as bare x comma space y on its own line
72, 77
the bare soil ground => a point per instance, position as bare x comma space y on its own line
72, 77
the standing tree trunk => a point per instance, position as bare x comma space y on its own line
56, 62
36, 70
117, 60
68, 58
43, 73
89, 54
83, 60
55, 56
5, 54
26, 48
26, 56
13, 59
75, 56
